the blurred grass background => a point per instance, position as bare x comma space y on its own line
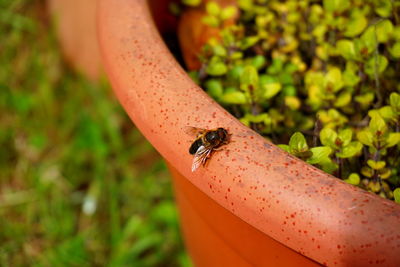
79, 185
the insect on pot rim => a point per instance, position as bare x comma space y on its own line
253, 179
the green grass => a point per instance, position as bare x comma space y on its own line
79, 185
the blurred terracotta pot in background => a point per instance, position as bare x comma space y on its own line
75, 21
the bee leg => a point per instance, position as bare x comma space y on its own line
204, 161
228, 141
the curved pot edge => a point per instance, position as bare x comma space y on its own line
326, 219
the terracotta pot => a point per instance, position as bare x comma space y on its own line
75, 21
253, 204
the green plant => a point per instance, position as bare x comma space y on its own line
321, 75
79, 185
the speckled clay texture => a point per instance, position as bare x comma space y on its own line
300, 206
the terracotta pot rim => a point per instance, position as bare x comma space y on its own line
298, 205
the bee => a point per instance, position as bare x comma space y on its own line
206, 142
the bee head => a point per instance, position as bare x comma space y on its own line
217, 136
222, 133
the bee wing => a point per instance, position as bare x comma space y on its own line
190, 130
200, 157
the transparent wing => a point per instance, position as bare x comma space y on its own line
200, 157
190, 130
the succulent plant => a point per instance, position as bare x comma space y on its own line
319, 76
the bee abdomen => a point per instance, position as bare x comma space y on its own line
195, 146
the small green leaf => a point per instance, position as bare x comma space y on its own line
212, 21
385, 173
376, 165
345, 136
249, 41
236, 55
367, 172
350, 150
289, 90
217, 68
328, 165
219, 50
214, 88
213, 8
293, 102
366, 99
245, 4
395, 50
383, 8
373, 113
276, 66
319, 31
377, 124
228, 12
298, 143
285, 147
350, 76
260, 118
333, 79
285, 78
290, 68
387, 112
328, 137
396, 33
368, 40
378, 64
374, 186
346, 49
395, 100
191, 2
392, 139
336, 5
258, 61
356, 25
271, 89
235, 72
331, 118
245, 121
396, 195
234, 98
319, 154
343, 99
249, 79
230, 89
365, 137
353, 179
384, 30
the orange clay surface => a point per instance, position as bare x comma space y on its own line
254, 184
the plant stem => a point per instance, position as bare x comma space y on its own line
376, 71
317, 129
341, 163
395, 13
202, 72
338, 172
